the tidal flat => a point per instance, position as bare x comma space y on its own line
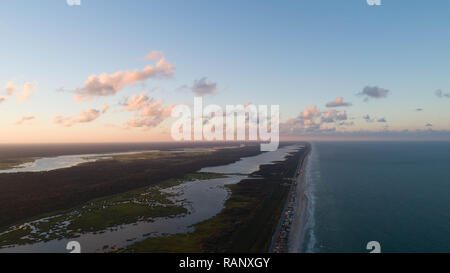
102, 214
25, 195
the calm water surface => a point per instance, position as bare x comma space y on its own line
392, 192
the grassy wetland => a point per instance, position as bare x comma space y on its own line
14, 163
247, 222
24, 196
123, 190
98, 215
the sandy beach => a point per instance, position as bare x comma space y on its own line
299, 218
289, 233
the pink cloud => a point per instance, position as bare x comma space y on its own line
310, 112
109, 84
136, 102
338, 102
144, 122
28, 89
329, 116
333, 116
313, 121
154, 55
151, 112
24, 119
105, 108
85, 116
11, 88
342, 115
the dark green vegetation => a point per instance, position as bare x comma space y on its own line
12, 163
9, 151
97, 215
26, 195
247, 222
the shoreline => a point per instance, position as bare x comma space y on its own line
294, 212
295, 240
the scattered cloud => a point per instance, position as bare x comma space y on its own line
419, 109
329, 116
109, 84
310, 113
338, 102
367, 118
136, 102
200, 87
85, 116
154, 55
204, 87
382, 134
428, 125
62, 89
24, 119
105, 108
144, 122
150, 112
373, 92
333, 116
342, 115
344, 123
27, 90
441, 94
312, 121
12, 88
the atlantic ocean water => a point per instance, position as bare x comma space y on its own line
395, 193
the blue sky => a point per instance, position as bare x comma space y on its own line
293, 53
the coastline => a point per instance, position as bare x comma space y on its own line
295, 240
294, 212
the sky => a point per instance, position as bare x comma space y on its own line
112, 70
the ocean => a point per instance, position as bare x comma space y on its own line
395, 193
